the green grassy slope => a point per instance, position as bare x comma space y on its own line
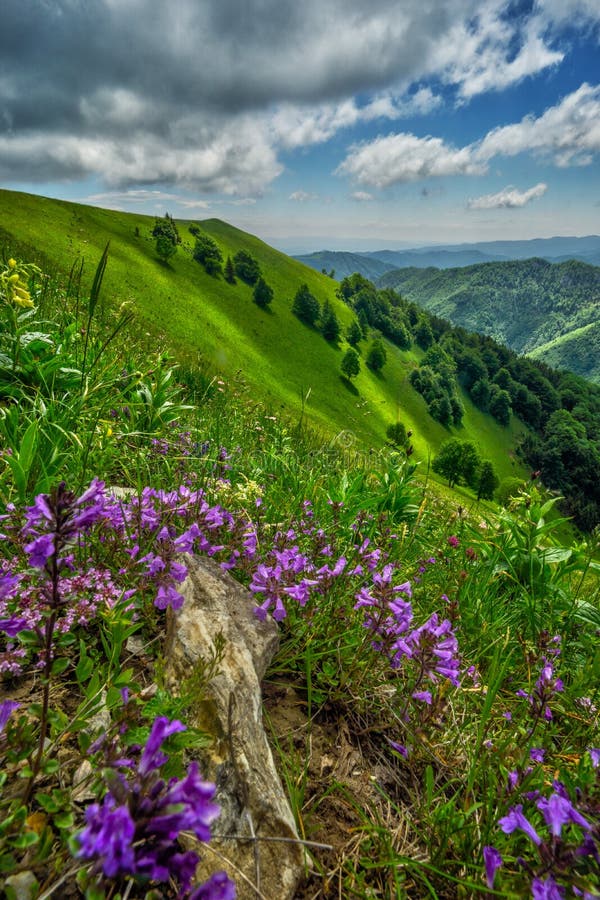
199, 316
526, 304
578, 351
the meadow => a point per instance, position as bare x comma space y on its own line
454, 645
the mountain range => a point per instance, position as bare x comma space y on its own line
446, 256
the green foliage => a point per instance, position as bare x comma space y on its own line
246, 267
396, 434
500, 405
229, 272
505, 587
165, 248
350, 364
424, 334
458, 461
529, 305
354, 334
487, 482
377, 356
306, 306
207, 253
330, 326
262, 294
166, 236
508, 489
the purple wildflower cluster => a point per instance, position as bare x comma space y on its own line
566, 841
432, 646
45, 591
134, 831
547, 685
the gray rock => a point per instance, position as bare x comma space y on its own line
239, 760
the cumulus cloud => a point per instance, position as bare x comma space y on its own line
508, 198
209, 94
569, 132
361, 196
404, 157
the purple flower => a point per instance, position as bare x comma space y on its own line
40, 550
546, 889
492, 862
108, 837
135, 830
399, 748
536, 754
218, 887
423, 696
595, 756
167, 595
8, 585
7, 708
152, 756
453, 541
14, 625
195, 795
516, 820
558, 811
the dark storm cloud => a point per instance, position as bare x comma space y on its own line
142, 90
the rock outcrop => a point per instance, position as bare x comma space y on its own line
254, 809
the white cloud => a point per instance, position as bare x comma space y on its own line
404, 157
508, 198
568, 132
303, 197
477, 57
362, 196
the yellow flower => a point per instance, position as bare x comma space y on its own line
22, 298
12, 264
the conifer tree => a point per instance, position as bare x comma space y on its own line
330, 326
229, 271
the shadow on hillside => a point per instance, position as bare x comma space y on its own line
349, 386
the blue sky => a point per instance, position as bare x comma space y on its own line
322, 124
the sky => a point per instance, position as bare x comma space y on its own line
314, 124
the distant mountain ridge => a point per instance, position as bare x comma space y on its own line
547, 310
446, 256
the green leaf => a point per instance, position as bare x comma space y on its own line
26, 839
64, 820
60, 665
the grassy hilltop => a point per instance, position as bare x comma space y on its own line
204, 320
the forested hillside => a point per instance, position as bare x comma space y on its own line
533, 306
561, 409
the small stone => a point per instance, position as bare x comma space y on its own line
24, 885
82, 781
